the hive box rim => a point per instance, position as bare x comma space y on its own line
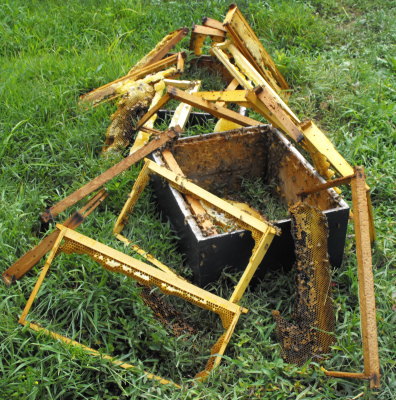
199, 241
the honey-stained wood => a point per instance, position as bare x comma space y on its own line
184, 185
183, 111
368, 317
110, 88
196, 206
226, 96
260, 107
166, 48
33, 256
373, 235
164, 99
224, 59
248, 43
212, 23
335, 182
44, 271
244, 65
193, 100
199, 33
205, 30
115, 170
143, 137
323, 145
151, 131
269, 108
196, 43
219, 112
319, 141
180, 62
255, 260
179, 84
232, 86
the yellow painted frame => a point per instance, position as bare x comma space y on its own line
368, 317
164, 278
64, 231
262, 232
250, 46
361, 221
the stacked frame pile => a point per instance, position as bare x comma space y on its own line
255, 83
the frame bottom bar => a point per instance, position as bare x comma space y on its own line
96, 353
374, 381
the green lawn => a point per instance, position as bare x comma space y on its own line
339, 58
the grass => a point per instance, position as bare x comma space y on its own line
262, 197
339, 59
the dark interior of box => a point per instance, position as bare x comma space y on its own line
219, 162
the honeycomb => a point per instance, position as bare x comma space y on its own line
71, 246
166, 314
153, 52
142, 138
211, 362
136, 100
130, 108
225, 125
310, 335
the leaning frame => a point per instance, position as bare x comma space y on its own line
166, 280
262, 232
368, 319
64, 231
361, 210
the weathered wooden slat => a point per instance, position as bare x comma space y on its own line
183, 111
244, 65
232, 86
208, 31
193, 100
248, 43
199, 33
224, 59
164, 99
269, 108
109, 89
163, 51
227, 96
115, 170
368, 318
213, 23
33, 256
219, 112
333, 183
196, 206
366, 278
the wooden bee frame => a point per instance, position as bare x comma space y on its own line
365, 277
